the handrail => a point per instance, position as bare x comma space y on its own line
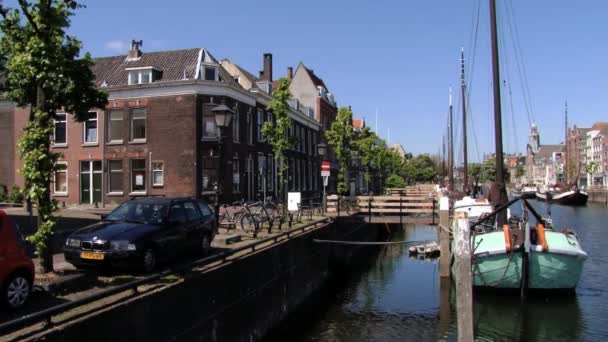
48, 313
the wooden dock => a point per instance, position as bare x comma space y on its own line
416, 204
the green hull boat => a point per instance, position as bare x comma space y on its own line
559, 267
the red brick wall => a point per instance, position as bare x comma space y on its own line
7, 146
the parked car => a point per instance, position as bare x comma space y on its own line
16, 267
142, 231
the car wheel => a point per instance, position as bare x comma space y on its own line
148, 260
17, 290
205, 244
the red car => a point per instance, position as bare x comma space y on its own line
16, 266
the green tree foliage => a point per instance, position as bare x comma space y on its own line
365, 147
394, 181
340, 137
44, 71
275, 133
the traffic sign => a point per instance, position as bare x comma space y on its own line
325, 166
325, 173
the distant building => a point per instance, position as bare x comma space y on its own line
544, 163
398, 148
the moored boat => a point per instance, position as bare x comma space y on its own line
528, 191
572, 197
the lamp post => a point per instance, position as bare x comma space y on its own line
322, 150
222, 115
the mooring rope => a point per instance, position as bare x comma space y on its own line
339, 242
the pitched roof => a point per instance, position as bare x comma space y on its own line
173, 65
545, 151
315, 79
359, 123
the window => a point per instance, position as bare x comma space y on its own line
60, 131
177, 213
209, 128
138, 175
141, 76
205, 210
115, 125
210, 74
260, 124
90, 128
61, 179
115, 174
192, 211
249, 128
270, 173
236, 175
157, 173
235, 126
138, 124
261, 171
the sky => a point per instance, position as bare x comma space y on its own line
397, 58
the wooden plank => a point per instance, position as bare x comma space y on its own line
397, 211
464, 287
397, 219
396, 204
394, 198
444, 237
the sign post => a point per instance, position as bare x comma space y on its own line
325, 167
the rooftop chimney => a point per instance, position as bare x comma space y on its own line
266, 74
289, 73
135, 52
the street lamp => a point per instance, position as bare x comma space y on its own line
223, 115
322, 150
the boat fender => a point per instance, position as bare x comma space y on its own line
507, 231
541, 238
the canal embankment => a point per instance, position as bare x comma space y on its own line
241, 298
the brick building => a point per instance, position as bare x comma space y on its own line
157, 135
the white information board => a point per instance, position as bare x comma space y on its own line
293, 199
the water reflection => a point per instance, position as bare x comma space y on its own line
400, 298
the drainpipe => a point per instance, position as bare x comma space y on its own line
103, 166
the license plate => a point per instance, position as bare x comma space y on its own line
92, 255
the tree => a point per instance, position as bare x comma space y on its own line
43, 71
520, 171
365, 147
339, 137
275, 133
395, 181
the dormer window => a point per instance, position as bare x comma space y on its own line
142, 75
210, 73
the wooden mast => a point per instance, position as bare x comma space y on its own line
501, 192
451, 148
566, 162
465, 181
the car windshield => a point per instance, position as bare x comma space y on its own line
139, 212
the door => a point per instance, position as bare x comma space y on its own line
90, 181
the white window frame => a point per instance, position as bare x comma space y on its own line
122, 174
109, 129
136, 75
55, 122
84, 130
154, 170
67, 183
260, 124
131, 126
236, 162
236, 129
137, 192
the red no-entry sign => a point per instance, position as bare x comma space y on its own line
325, 168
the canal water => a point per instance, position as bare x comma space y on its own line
400, 298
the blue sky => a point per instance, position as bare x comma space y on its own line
397, 57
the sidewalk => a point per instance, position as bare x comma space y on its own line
59, 264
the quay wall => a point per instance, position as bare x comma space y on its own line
240, 301
600, 196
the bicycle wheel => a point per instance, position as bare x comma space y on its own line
249, 225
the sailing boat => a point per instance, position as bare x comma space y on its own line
514, 255
564, 196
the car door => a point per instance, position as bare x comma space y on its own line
208, 217
194, 226
176, 232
